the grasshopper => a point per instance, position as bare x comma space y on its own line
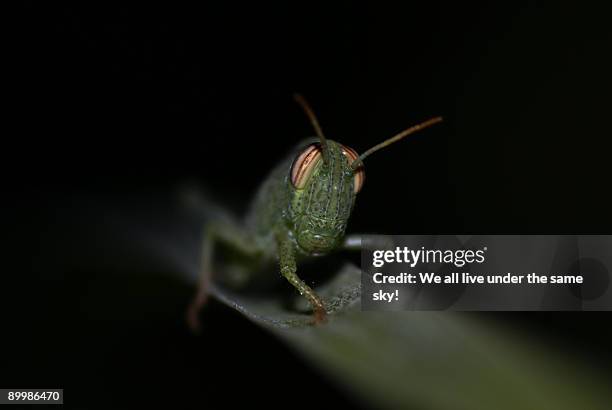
301, 210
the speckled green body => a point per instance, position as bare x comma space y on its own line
289, 224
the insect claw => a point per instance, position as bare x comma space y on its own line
193, 312
320, 316
193, 320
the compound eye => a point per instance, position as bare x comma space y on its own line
304, 164
359, 173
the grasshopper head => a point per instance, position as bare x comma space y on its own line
325, 178
324, 189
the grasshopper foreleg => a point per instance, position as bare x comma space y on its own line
288, 268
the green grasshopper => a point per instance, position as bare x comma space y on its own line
301, 210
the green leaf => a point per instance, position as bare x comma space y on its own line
434, 360
416, 359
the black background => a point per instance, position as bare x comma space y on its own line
127, 101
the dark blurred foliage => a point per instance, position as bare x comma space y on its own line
127, 101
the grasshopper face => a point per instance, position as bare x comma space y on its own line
323, 190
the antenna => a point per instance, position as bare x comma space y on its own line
313, 120
359, 161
